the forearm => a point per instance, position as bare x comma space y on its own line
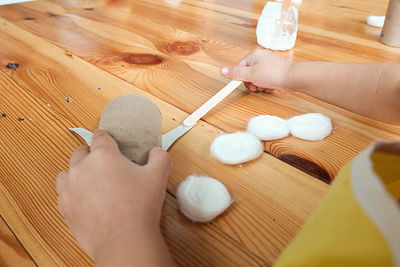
143, 249
370, 89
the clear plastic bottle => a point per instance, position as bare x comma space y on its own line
277, 30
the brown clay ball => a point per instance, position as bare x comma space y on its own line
135, 123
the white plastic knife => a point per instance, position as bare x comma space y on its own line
170, 137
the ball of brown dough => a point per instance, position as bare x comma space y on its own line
135, 123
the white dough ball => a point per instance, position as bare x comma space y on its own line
310, 126
202, 198
267, 127
376, 21
236, 148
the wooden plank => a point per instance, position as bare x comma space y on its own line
12, 253
42, 145
33, 152
116, 41
272, 199
209, 245
235, 22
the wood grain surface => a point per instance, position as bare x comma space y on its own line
11, 251
181, 66
268, 211
62, 61
40, 147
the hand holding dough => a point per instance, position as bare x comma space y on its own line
135, 123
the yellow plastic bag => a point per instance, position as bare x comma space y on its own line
358, 221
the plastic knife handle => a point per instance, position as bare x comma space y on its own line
212, 102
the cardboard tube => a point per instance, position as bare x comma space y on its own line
391, 29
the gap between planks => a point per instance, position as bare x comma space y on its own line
22, 255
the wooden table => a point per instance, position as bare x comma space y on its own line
91, 51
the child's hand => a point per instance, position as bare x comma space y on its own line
261, 70
105, 197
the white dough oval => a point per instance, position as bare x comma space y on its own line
310, 126
236, 148
202, 198
267, 127
376, 21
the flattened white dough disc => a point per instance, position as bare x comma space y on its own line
202, 198
267, 127
376, 21
310, 126
236, 148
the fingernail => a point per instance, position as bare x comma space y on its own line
224, 70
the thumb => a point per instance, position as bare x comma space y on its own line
159, 161
102, 140
240, 73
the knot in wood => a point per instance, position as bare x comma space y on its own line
183, 48
142, 59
